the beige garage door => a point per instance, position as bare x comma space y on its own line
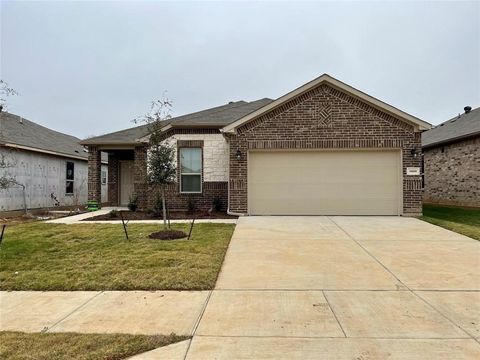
324, 183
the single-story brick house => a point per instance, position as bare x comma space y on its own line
452, 161
323, 148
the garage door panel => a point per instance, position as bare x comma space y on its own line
324, 182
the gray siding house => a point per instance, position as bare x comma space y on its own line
51, 165
452, 161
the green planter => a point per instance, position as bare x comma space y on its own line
93, 205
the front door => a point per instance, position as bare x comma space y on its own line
126, 181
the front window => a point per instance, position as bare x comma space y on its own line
70, 177
104, 177
190, 170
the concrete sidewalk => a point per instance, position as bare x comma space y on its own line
78, 219
129, 312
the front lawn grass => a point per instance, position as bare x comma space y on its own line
66, 346
461, 220
40, 256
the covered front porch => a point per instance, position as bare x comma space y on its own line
126, 174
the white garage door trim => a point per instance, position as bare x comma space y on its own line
396, 153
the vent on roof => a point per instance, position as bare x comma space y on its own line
20, 120
231, 102
467, 109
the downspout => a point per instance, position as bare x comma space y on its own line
229, 212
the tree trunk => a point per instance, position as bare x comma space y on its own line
164, 208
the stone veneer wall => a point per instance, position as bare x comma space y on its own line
325, 118
452, 173
215, 171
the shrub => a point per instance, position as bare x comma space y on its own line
217, 204
133, 202
113, 213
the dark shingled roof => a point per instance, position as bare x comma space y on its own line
216, 118
460, 127
19, 131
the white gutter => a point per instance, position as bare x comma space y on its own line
44, 151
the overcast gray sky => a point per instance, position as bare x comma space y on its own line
87, 68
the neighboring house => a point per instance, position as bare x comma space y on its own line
324, 148
452, 161
47, 162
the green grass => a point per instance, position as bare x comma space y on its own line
461, 220
40, 256
59, 346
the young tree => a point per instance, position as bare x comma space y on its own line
5, 91
8, 180
161, 169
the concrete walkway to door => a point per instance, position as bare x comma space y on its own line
343, 288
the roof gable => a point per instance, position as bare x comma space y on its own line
418, 124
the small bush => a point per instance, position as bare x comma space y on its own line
133, 202
113, 214
191, 204
217, 204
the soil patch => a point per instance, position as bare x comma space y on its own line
168, 235
174, 215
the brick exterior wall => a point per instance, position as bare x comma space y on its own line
140, 186
452, 173
325, 118
94, 174
203, 201
113, 180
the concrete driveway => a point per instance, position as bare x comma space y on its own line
343, 288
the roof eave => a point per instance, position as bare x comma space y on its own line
451, 140
44, 151
419, 125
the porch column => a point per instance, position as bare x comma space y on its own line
94, 174
140, 185
113, 180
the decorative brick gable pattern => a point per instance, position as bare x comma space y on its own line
94, 174
351, 124
452, 173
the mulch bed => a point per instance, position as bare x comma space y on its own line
174, 215
168, 235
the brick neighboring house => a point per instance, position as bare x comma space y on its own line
323, 148
452, 161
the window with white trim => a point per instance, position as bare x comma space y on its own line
104, 177
190, 170
70, 178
